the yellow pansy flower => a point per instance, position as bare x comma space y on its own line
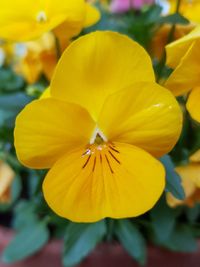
99, 131
190, 176
6, 179
188, 8
23, 20
39, 57
183, 55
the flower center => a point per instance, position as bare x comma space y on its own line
98, 156
41, 17
98, 137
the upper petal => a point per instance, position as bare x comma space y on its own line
109, 181
97, 65
48, 128
144, 114
187, 73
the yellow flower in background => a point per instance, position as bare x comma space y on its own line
23, 20
190, 176
160, 39
183, 55
39, 57
188, 8
100, 131
6, 179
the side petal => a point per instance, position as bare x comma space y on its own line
193, 104
176, 50
47, 129
97, 65
187, 74
108, 182
145, 115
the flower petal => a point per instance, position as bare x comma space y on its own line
48, 128
110, 181
176, 50
187, 73
92, 15
6, 178
145, 115
97, 65
193, 104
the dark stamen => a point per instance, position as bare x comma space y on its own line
86, 162
114, 149
114, 157
100, 158
95, 160
109, 164
86, 152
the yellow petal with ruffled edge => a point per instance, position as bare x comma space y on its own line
145, 115
104, 181
22, 20
193, 104
92, 15
187, 74
66, 31
47, 129
97, 65
176, 50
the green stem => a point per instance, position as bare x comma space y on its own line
58, 48
110, 229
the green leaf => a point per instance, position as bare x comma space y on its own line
27, 242
10, 106
182, 240
9, 81
80, 240
132, 240
163, 221
173, 183
192, 213
173, 19
24, 215
152, 14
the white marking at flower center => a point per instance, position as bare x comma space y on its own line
41, 17
97, 132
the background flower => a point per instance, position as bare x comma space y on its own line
6, 179
119, 6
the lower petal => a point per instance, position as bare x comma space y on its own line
106, 180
